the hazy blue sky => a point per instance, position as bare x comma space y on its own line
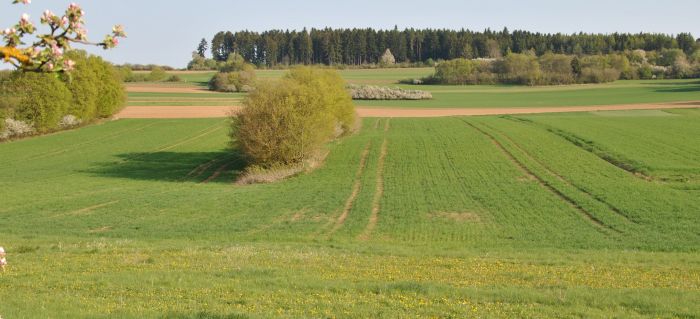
167, 31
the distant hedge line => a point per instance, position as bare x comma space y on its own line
555, 69
38, 103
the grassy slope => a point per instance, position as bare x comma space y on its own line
487, 216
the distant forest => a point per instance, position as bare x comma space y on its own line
366, 46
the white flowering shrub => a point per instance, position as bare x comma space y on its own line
387, 58
371, 92
69, 121
14, 128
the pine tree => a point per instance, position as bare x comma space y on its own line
202, 48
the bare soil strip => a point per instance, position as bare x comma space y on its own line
171, 112
378, 193
364, 111
584, 213
176, 112
355, 191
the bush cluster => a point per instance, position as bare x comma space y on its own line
156, 74
235, 75
371, 92
285, 122
238, 81
49, 102
555, 69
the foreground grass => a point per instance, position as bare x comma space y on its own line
124, 278
488, 217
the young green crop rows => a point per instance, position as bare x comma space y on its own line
480, 216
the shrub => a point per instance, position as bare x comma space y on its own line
598, 75
646, 72
110, 91
463, 71
126, 74
83, 84
240, 81
387, 58
96, 87
285, 122
200, 63
157, 74
174, 78
234, 63
556, 69
371, 92
519, 69
13, 128
40, 99
69, 121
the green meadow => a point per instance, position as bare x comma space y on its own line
477, 96
556, 215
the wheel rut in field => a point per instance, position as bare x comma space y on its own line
582, 144
205, 133
378, 191
199, 170
216, 173
597, 223
356, 187
86, 210
561, 178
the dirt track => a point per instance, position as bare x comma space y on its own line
223, 111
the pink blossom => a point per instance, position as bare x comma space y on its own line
24, 19
49, 66
48, 16
10, 31
68, 65
118, 31
26, 1
115, 41
56, 51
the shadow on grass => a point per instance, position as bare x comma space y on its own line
197, 167
684, 89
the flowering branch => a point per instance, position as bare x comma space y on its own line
47, 53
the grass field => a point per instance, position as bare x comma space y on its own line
490, 96
569, 215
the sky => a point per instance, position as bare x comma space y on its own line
167, 31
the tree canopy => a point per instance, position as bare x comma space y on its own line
363, 46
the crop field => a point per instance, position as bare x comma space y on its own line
566, 215
487, 96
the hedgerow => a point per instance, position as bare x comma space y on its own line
49, 101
